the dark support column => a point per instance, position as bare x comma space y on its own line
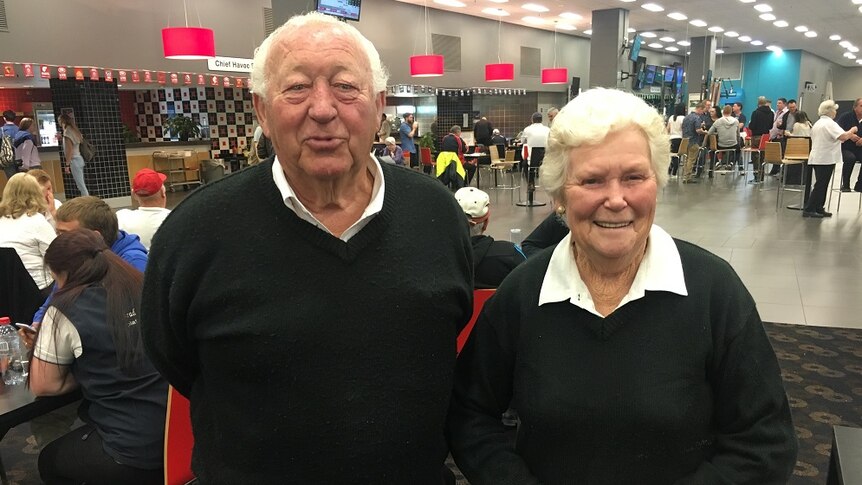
700, 62
607, 58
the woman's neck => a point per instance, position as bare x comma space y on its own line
608, 284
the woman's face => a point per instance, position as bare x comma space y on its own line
611, 198
60, 278
48, 191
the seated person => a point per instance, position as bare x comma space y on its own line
90, 338
548, 233
450, 161
498, 139
23, 226
391, 153
454, 143
48, 191
148, 189
492, 260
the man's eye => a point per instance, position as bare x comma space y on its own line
345, 87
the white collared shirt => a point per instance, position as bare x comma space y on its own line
660, 270
293, 203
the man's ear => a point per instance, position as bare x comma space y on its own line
260, 112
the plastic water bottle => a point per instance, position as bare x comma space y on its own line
10, 353
515, 236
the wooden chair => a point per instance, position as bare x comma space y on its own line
795, 153
680, 155
725, 166
510, 155
179, 440
479, 299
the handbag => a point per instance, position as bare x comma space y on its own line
88, 151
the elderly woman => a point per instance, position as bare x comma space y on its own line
630, 356
393, 151
826, 138
24, 227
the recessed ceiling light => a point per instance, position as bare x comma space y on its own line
533, 20
631, 30
627, 1
677, 16
801, 28
656, 45
499, 1
495, 11
762, 7
688, 53
845, 43
774, 48
767, 16
534, 7
570, 16
744, 38
834, 37
856, 2
671, 49
719, 51
684, 43
811, 34
589, 31
698, 23
450, 3
715, 29
853, 48
667, 39
858, 61
850, 56
747, 1
652, 7
780, 24
731, 33
860, 9
566, 27
648, 35
756, 42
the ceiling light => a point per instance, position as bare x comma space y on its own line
834, 37
762, 7
534, 7
652, 7
744, 38
684, 43
429, 65
767, 16
688, 53
533, 20
756, 42
566, 27
801, 28
499, 1
671, 49
747, 1
811, 34
850, 56
731, 33
858, 61
856, 2
845, 43
860, 9
698, 23
627, 1
499, 12
648, 35
667, 39
715, 29
656, 45
719, 51
589, 31
631, 30
780, 24
853, 48
774, 48
450, 3
677, 16
570, 16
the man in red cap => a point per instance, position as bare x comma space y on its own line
148, 188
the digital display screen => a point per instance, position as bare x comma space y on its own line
679, 75
636, 48
346, 9
650, 74
669, 74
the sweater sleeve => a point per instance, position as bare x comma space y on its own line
755, 440
548, 233
479, 442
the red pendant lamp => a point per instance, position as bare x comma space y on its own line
188, 42
500, 71
555, 75
428, 65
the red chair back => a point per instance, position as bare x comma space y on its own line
179, 440
425, 156
479, 299
764, 139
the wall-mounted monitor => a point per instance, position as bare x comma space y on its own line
669, 74
679, 75
650, 75
635, 48
344, 9
639, 74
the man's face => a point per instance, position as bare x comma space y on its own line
67, 226
736, 108
791, 107
409, 119
321, 112
780, 105
857, 108
551, 116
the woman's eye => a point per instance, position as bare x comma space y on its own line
590, 181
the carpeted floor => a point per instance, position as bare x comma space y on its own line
821, 367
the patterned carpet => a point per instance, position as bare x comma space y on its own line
821, 367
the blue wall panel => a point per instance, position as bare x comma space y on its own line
771, 75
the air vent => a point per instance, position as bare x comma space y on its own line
531, 61
449, 47
268, 26
4, 23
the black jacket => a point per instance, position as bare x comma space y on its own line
761, 121
493, 260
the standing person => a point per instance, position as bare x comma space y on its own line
72, 139
482, 131
91, 338
760, 124
9, 129
23, 226
321, 390
737, 113
383, 132
630, 356
674, 130
692, 129
826, 138
25, 145
148, 188
851, 149
52, 203
802, 127
535, 136
408, 131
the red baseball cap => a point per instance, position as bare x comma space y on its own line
148, 182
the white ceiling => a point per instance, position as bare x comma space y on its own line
825, 17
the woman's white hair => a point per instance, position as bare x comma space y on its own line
588, 119
260, 73
827, 107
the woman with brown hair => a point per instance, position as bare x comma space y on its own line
72, 139
24, 228
25, 145
90, 338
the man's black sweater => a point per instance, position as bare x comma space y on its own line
308, 359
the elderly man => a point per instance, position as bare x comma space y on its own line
851, 149
148, 188
309, 306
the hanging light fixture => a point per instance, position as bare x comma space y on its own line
428, 65
555, 75
188, 42
500, 71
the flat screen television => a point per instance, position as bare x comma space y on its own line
669, 73
679, 75
635, 49
650, 75
344, 9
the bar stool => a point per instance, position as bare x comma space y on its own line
832, 189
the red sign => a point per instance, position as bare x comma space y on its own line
61, 72
28, 70
214, 80
187, 78
94, 74
122, 76
201, 80
79, 73
109, 76
226, 81
161, 77
45, 71
148, 77
175, 78
136, 77
239, 83
8, 70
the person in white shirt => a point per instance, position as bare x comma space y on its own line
826, 138
148, 188
23, 226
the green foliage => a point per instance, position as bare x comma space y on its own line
428, 140
183, 127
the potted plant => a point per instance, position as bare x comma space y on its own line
183, 127
428, 140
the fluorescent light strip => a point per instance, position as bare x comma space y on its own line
668, 39
656, 45
719, 51
684, 43
834, 37
589, 31
648, 35
811, 34
756, 42
671, 49
801, 28
566, 27
450, 3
